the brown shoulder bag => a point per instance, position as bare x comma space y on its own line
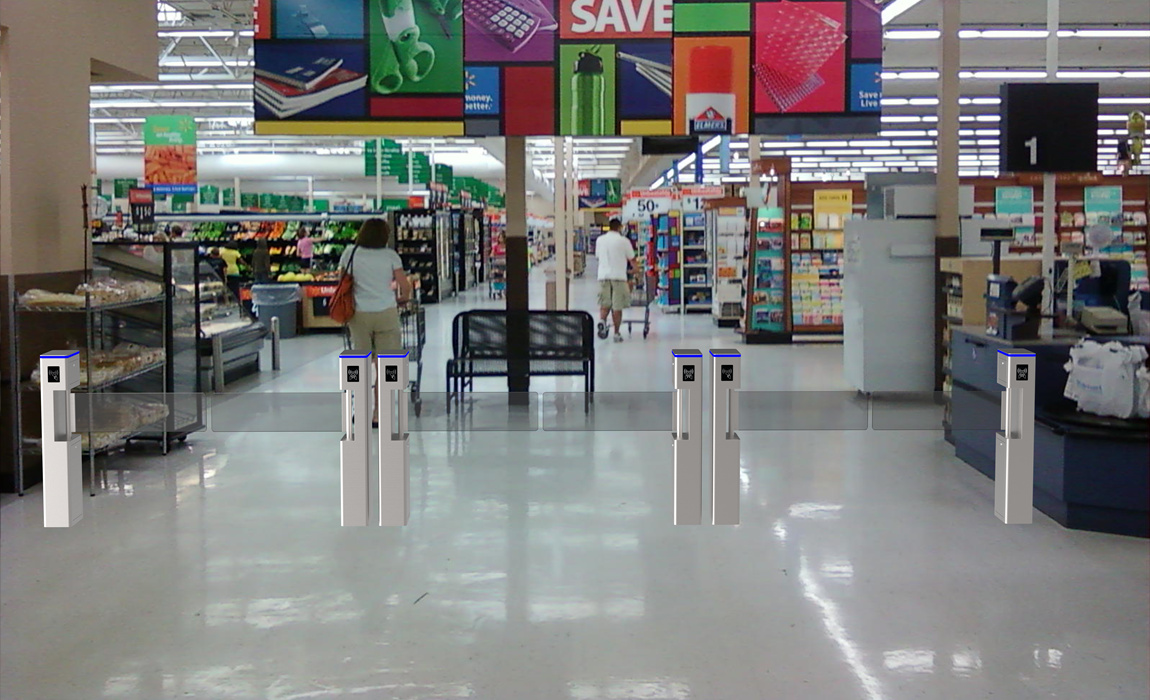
342, 306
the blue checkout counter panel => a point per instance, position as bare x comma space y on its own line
1090, 473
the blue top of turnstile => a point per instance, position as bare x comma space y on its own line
53, 354
355, 354
1022, 353
405, 353
726, 352
686, 353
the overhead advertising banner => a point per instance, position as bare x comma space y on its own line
600, 193
567, 67
170, 154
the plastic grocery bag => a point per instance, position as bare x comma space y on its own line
1102, 378
1142, 389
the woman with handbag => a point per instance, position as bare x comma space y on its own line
373, 281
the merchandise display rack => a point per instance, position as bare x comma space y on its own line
726, 224
143, 322
467, 245
667, 236
423, 239
697, 274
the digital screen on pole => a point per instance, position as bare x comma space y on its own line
1049, 127
567, 67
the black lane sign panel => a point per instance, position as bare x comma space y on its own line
1049, 127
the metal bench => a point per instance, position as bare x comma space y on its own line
560, 343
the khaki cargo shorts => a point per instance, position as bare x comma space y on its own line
614, 295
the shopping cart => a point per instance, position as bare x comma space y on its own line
643, 288
413, 332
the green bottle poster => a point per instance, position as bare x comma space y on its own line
209, 194
587, 98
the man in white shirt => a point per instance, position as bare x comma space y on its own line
615, 254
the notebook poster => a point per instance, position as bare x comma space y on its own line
567, 67
170, 154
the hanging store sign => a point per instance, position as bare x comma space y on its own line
567, 67
170, 154
600, 193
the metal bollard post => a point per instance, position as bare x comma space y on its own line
63, 479
725, 452
275, 343
217, 363
394, 449
1014, 444
687, 438
355, 447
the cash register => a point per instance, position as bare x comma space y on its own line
1003, 317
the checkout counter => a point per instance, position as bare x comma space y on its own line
1090, 472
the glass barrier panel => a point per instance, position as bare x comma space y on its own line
442, 412
925, 410
649, 411
137, 412
288, 412
801, 410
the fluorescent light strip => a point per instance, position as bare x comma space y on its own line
144, 87
895, 8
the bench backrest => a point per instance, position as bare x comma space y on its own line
551, 334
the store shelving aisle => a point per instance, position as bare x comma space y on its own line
544, 565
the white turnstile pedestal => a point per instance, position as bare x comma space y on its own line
394, 475
726, 379
1014, 444
63, 481
687, 436
355, 447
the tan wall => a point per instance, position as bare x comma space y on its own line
47, 50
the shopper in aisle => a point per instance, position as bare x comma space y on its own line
379, 285
231, 258
615, 254
262, 262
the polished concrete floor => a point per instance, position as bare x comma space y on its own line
544, 565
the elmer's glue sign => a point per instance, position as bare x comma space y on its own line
710, 104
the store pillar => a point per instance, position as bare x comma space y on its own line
1014, 444
726, 379
394, 448
63, 481
355, 447
516, 293
687, 437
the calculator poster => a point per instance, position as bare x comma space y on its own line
567, 67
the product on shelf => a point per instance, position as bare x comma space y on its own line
109, 365
101, 292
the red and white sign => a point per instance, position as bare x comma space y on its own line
615, 19
642, 204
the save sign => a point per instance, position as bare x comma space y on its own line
611, 19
